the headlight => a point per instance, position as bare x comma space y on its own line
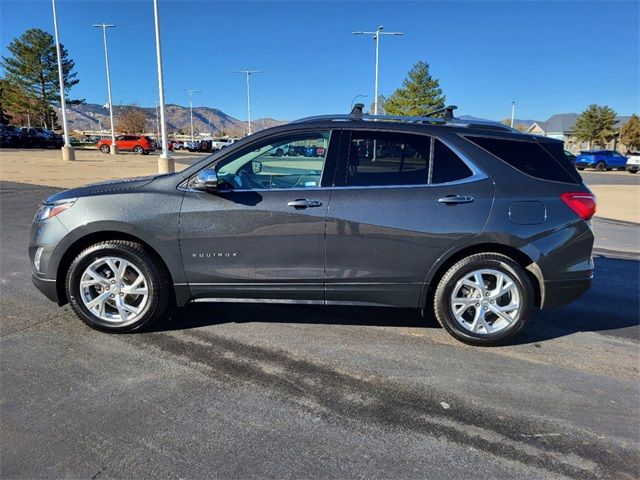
48, 210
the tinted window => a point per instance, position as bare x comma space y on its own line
528, 157
292, 161
384, 158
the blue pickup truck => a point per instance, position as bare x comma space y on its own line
601, 160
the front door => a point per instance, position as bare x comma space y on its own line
400, 202
262, 234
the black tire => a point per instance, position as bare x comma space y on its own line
160, 290
494, 261
279, 152
580, 168
633, 171
138, 150
601, 166
105, 148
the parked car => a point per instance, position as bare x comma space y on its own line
222, 143
601, 160
139, 144
12, 137
38, 137
633, 162
475, 221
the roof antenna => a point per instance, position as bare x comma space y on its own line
356, 111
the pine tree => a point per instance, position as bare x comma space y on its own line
630, 133
596, 125
32, 68
419, 95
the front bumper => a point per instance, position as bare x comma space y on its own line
47, 287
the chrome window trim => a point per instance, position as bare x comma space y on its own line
476, 175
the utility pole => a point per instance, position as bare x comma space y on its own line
191, 92
376, 37
104, 26
67, 150
513, 111
248, 73
165, 162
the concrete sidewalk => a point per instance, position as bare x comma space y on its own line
616, 236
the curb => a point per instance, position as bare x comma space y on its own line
603, 252
625, 223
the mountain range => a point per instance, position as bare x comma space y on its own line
91, 116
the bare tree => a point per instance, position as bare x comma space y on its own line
131, 119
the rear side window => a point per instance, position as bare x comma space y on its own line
388, 159
528, 157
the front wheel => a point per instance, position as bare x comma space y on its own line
104, 148
138, 150
116, 286
484, 299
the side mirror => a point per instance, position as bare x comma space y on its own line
256, 166
207, 180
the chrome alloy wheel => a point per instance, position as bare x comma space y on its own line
485, 301
114, 290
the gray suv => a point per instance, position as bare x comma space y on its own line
475, 220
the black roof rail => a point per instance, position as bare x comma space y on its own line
447, 120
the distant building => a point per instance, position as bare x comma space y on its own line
561, 125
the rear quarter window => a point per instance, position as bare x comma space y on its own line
529, 157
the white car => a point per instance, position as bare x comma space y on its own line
633, 162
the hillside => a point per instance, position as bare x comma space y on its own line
205, 119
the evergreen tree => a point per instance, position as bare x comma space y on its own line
630, 133
32, 68
596, 125
419, 95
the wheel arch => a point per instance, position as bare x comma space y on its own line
90, 239
448, 260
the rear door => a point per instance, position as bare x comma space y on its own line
400, 202
262, 234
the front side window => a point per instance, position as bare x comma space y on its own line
293, 161
388, 158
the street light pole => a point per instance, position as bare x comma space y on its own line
376, 37
191, 92
104, 26
67, 150
165, 162
513, 111
248, 73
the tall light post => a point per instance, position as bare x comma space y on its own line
67, 150
104, 26
248, 73
513, 111
376, 37
165, 162
356, 97
191, 92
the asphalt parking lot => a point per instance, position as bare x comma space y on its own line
254, 391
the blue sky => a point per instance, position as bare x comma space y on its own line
550, 57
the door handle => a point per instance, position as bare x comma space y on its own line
453, 199
304, 203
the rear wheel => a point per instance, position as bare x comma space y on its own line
138, 150
484, 299
601, 166
104, 148
116, 286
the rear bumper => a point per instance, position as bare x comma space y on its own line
562, 292
47, 287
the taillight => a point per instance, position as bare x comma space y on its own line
583, 204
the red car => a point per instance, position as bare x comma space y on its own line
139, 144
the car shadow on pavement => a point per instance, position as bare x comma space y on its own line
612, 307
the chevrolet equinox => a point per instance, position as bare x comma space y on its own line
473, 219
